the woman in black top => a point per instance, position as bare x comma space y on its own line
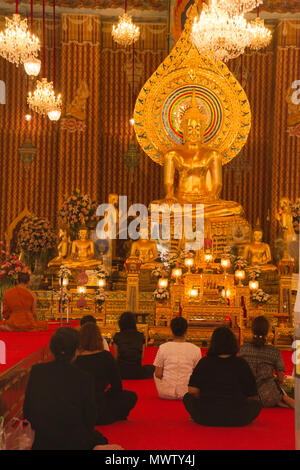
60, 400
115, 403
222, 388
129, 347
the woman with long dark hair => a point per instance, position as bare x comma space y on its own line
115, 403
222, 389
264, 360
60, 400
19, 307
129, 346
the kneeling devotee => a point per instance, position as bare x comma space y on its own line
91, 319
115, 403
129, 346
264, 360
19, 307
175, 362
222, 388
60, 400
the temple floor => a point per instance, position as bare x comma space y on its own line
157, 424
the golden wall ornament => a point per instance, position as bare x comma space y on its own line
167, 95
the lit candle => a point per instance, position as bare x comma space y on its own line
240, 275
194, 292
101, 283
189, 262
163, 283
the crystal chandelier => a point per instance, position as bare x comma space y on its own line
261, 36
125, 32
54, 112
238, 6
43, 99
17, 44
219, 34
32, 67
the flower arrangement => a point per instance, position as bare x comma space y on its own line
296, 215
100, 297
260, 297
10, 267
159, 271
255, 273
36, 235
161, 295
78, 210
63, 296
101, 272
64, 272
239, 263
174, 260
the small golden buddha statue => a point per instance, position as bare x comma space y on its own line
199, 168
63, 249
285, 219
258, 253
82, 252
145, 250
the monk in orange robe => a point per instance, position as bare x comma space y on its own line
19, 307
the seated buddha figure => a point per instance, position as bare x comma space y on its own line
199, 169
82, 252
258, 253
62, 248
145, 250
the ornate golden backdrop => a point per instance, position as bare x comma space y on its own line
167, 95
91, 158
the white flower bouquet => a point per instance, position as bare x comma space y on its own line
64, 272
260, 297
101, 272
161, 295
100, 297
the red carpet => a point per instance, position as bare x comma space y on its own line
157, 424
20, 345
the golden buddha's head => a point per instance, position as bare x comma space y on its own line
83, 234
257, 232
285, 203
258, 235
193, 123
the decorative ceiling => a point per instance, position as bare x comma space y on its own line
280, 6
159, 5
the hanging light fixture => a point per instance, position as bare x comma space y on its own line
43, 99
260, 35
125, 32
219, 34
17, 44
32, 65
55, 112
239, 6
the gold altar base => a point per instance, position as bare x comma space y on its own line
197, 335
224, 231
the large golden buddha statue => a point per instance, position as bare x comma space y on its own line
82, 252
199, 168
145, 250
258, 253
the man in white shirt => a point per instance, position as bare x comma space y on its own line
175, 362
